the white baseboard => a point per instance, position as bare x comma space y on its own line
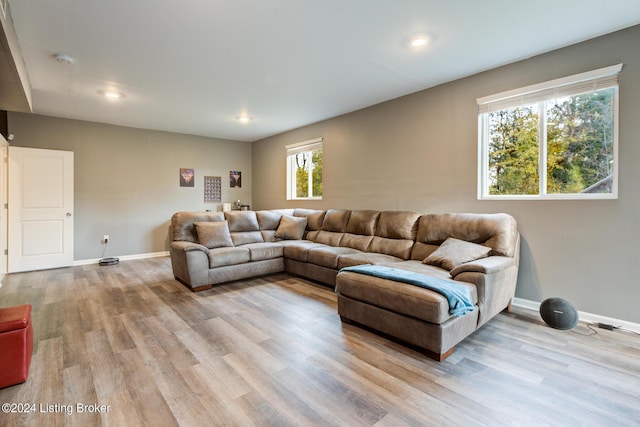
122, 258
583, 316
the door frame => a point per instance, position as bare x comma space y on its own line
4, 212
32, 211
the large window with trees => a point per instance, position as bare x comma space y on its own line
304, 170
555, 140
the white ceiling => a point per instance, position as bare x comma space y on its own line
193, 66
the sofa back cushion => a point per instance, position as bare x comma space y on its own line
422, 250
182, 228
497, 231
336, 220
395, 233
359, 230
242, 220
333, 227
246, 237
400, 248
330, 238
356, 241
244, 227
314, 217
362, 222
397, 225
268, 221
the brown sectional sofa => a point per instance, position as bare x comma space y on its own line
211, 248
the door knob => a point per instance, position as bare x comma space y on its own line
68, 213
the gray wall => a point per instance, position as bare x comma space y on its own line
419, 153
127, 180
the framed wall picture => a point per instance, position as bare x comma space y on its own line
187, 177
212, 189
235, 179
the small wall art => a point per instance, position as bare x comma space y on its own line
212, 189
235, 179
187, 177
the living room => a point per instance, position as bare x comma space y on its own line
416, 152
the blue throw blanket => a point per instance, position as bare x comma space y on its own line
457, 295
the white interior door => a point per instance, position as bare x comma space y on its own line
40, 209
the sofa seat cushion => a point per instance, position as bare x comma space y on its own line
285, 243
299, 249
221, 257
328, 256
402, 298
262, 251
419, 267
349, 260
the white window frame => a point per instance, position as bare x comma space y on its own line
292, 150
603, 78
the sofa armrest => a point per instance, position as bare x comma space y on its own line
495, 279
188, 247
190, 263
489, 265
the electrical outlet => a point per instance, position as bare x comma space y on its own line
105, 238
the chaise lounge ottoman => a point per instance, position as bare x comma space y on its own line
405, 311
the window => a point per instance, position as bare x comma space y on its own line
304, 170
554, 140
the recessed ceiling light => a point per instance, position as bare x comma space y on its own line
418, 40
243, 119
111, 94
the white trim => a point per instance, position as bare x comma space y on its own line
483, 167
305, 146
483, 136
582, 316
563, 81
300, 144
293, 150
555, 196
122, 258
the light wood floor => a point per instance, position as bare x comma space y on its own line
272, 351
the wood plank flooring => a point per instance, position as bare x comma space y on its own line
272, 351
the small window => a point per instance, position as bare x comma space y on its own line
555, 140
304, 170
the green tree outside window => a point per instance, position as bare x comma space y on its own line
576, 133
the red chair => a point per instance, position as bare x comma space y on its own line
16, 344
